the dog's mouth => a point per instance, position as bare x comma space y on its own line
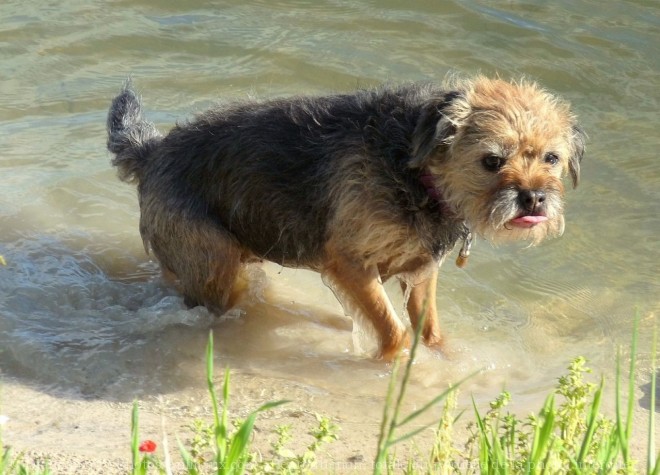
528, 221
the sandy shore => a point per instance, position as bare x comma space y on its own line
78, 436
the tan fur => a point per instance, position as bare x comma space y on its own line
516, 120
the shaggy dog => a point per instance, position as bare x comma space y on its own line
360, 187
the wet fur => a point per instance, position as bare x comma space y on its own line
332, 183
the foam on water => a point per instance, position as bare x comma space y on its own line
67, 323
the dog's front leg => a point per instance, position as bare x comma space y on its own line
361, 293
422, 301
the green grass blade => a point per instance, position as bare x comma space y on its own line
413, 415
225, 398
209, 381
591, 423
546, 462
219, 420
391, 413
15, 464
138, 467
511, 440
484, 454
412, 434
191, 466
608, 451
134, 434
237, 454
631, 390
575, 467
624, 430
408, 368
271, 405
4, 462
386, 422
497, 457
652, 463
543, 433
483, 433
223, 428
620, 431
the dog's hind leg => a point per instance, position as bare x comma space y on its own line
205, 259
223, 285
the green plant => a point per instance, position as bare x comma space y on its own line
13, 465
392, 420
225, 445
573, 438
569, 435
443, 453
325, 432
201, 441
231, 450
653, 460
285, 461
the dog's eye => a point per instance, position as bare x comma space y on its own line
551, 158
492, 162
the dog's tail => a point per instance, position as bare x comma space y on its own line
130, 137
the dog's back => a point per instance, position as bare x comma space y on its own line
273, 173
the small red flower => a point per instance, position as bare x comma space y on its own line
148, 446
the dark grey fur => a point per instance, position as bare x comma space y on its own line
130, 137
265, 175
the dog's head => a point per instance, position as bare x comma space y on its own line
496, 152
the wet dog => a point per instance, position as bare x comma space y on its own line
361, 187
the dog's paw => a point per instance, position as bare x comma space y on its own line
401, 349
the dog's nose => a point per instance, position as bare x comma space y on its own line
531, 200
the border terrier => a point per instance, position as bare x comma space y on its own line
361, 187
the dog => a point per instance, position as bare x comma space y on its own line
362, 187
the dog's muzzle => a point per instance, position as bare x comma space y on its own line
533, 204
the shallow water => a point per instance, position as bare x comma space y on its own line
83, 310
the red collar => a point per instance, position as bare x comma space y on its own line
435, 193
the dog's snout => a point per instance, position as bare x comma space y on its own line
531, 200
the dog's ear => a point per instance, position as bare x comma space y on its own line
435, 128
578, 138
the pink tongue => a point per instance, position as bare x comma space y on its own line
529, 220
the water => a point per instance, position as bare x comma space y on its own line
83, 311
